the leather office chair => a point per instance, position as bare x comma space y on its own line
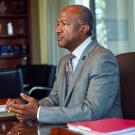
40, 79
11, 83
126, 63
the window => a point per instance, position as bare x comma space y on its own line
115, 23
83, 2
100, 22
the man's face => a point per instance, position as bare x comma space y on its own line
68, 30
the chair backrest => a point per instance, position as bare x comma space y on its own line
39, 75
126, 63
42, 75
11, 83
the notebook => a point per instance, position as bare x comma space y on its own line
109, 126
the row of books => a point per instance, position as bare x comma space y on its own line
11, 50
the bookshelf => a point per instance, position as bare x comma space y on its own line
15, 39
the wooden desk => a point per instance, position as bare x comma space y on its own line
3, 101
14, 127
11, 126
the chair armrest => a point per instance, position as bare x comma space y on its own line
37, 88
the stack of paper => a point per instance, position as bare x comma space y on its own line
110, 126
2, 108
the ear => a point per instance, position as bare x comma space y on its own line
84, 29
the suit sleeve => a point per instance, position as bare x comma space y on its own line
103, 85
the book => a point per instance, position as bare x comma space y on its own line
109, 126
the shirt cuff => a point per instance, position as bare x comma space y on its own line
38, 113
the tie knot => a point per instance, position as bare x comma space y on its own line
71, 56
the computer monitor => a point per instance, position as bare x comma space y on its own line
11, 83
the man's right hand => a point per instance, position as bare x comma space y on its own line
23, 111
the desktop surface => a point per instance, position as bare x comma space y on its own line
9, 125
14, 127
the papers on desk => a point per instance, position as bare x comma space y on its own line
2, 108
110, 126
4, 114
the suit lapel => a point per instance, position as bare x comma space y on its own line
63, 89
79, 67
62, 82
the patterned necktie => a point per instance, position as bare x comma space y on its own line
69, 71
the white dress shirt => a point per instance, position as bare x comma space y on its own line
78, 52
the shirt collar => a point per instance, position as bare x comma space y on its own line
79, 50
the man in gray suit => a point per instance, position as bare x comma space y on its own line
93, 91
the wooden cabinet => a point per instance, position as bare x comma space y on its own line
15, 39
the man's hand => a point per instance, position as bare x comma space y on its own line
23, 111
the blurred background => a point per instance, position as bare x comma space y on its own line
33, 23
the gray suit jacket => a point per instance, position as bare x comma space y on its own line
93, 94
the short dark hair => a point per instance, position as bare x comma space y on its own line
86, 17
